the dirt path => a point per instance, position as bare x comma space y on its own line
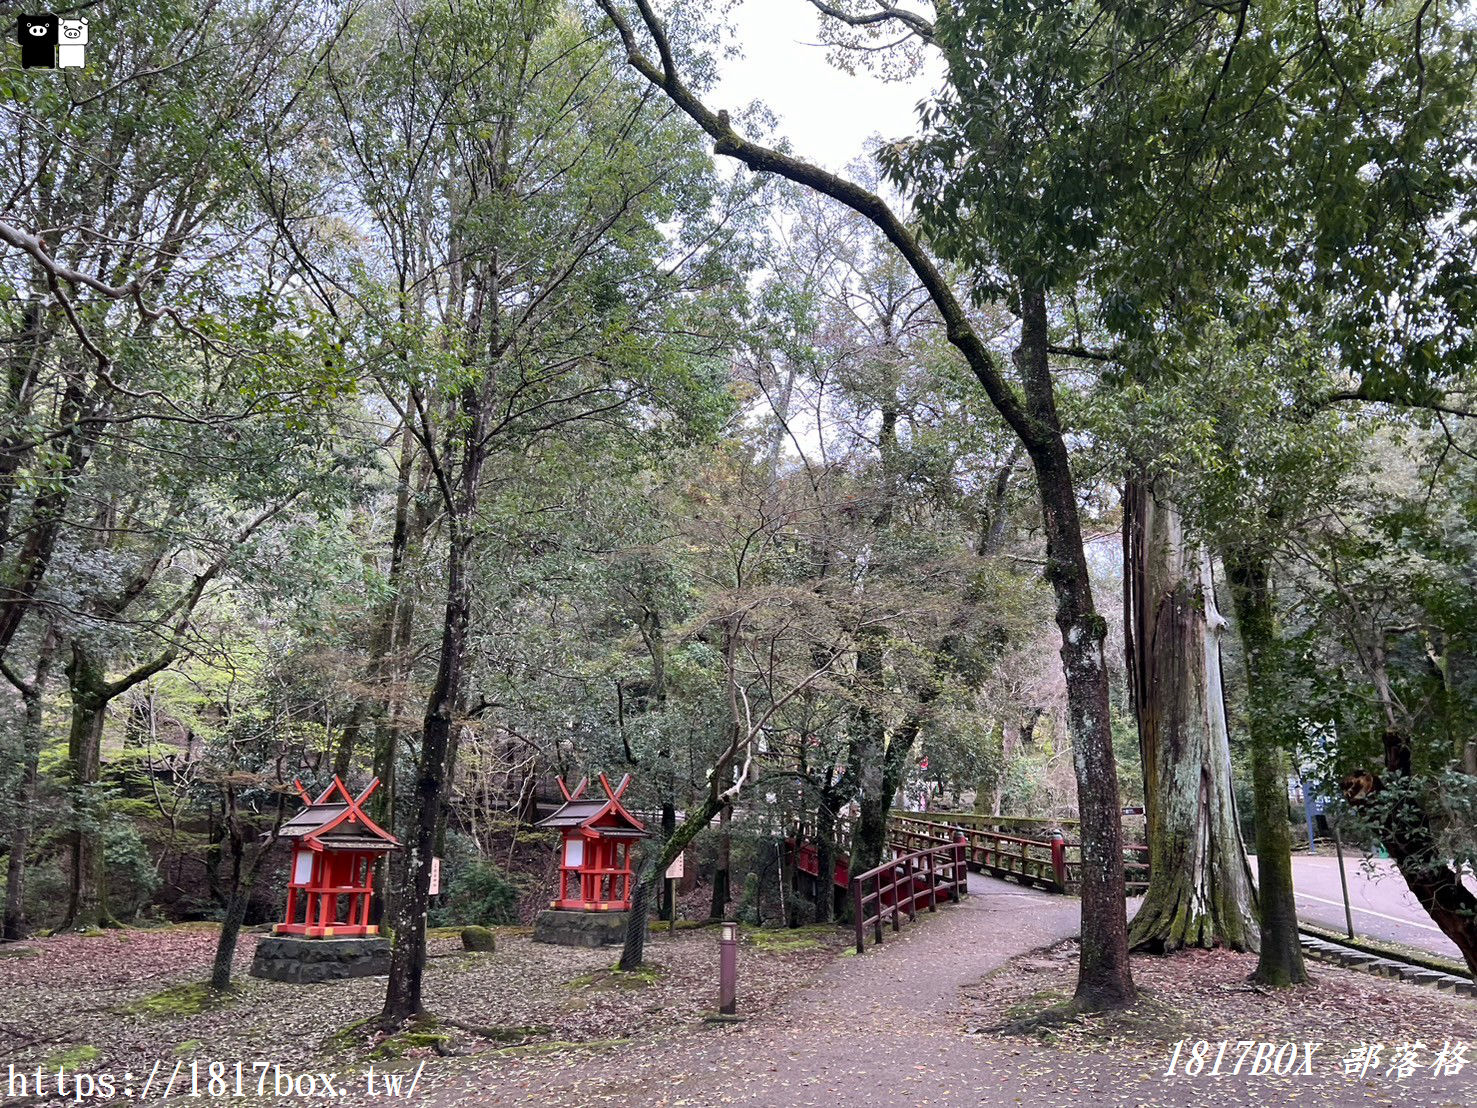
887, 1029
885, 1021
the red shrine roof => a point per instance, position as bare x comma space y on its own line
607, 818
338, 823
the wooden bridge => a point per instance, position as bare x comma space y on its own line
934, 852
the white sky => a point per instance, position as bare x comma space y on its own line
826, 113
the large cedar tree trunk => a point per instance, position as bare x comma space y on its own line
1199, 882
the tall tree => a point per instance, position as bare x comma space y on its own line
1104, 980
1200, 890
552, 237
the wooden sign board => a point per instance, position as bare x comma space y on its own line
674, 871
435, 876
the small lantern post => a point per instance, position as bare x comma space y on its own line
728, 970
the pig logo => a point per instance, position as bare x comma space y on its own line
72, 48
38, 36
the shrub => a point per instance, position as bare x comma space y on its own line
479, 893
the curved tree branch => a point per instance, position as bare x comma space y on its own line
885, 13
764, 159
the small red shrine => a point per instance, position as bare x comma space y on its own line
334, 849
595, 857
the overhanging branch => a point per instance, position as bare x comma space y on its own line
764, 159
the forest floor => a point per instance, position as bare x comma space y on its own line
916, 1021
119, 1001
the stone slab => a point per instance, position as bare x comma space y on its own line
565, 928
310, 961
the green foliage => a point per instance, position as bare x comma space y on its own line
133, 875
479, 893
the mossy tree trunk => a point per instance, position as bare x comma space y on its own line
654, 862
1200, 890
33, 694
1280, 959
89, 690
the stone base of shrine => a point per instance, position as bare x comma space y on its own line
310, 961
580, 928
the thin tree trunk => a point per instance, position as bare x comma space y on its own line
242, 885
385, 638
1199, 882
225, 946
1280, 960
825, 853
722, 872
1103, 980
408, 961
34, 696
669, 825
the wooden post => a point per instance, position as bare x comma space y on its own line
961, 863
933, 885
1059, 860
877, 925
856, 913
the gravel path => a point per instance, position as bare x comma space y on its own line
882, 1028
887, 1029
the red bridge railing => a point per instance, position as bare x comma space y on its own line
906, 883
1049, 862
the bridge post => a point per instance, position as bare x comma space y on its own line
961, 865
1059, 860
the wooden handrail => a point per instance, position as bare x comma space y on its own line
917, 878
1055, 866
